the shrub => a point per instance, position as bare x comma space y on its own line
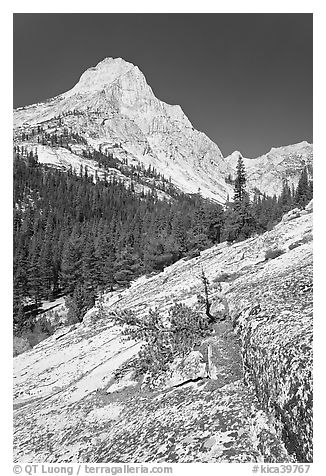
165, 338
44, 326
273, 253
20, 345
225, 277
162, 261
305, 239
78, 303
294, 245
123, 277
192, 254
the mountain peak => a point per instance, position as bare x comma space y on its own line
234, 157
113, 107
291, 147
105, 73
113, 64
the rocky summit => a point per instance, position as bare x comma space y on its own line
117, 110
112, 108
268, 172
244, 394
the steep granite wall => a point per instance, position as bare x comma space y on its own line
272, 314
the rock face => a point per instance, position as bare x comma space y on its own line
251, 402
118, 110
309, 207
189, 369
113, 108
268, 171
273, 321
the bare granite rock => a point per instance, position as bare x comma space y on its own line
252, 403
272, 313
189, 369
309, 207
292, 214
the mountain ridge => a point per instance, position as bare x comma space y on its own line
149, 131
268, 171
117, 110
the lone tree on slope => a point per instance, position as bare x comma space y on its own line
239, 220
240, 183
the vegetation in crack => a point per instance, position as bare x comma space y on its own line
165, 337
273, 253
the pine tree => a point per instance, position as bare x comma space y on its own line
240, 183
286, 199
303, 193
79, 302
46, 258
180, 233
239, 220
127, 267
71, 269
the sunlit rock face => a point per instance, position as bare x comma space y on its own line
119, 109
268, 172
244, 395
272, 313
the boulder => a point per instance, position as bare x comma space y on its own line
189, 369
292, 214
309, 207
219, 307
126, 381
90, 317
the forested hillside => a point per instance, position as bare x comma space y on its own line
77, 237
74, 236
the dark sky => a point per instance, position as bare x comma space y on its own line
243, 79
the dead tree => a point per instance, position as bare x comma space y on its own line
207, 302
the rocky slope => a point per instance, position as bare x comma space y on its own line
113, 108
268, 171
243, 395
